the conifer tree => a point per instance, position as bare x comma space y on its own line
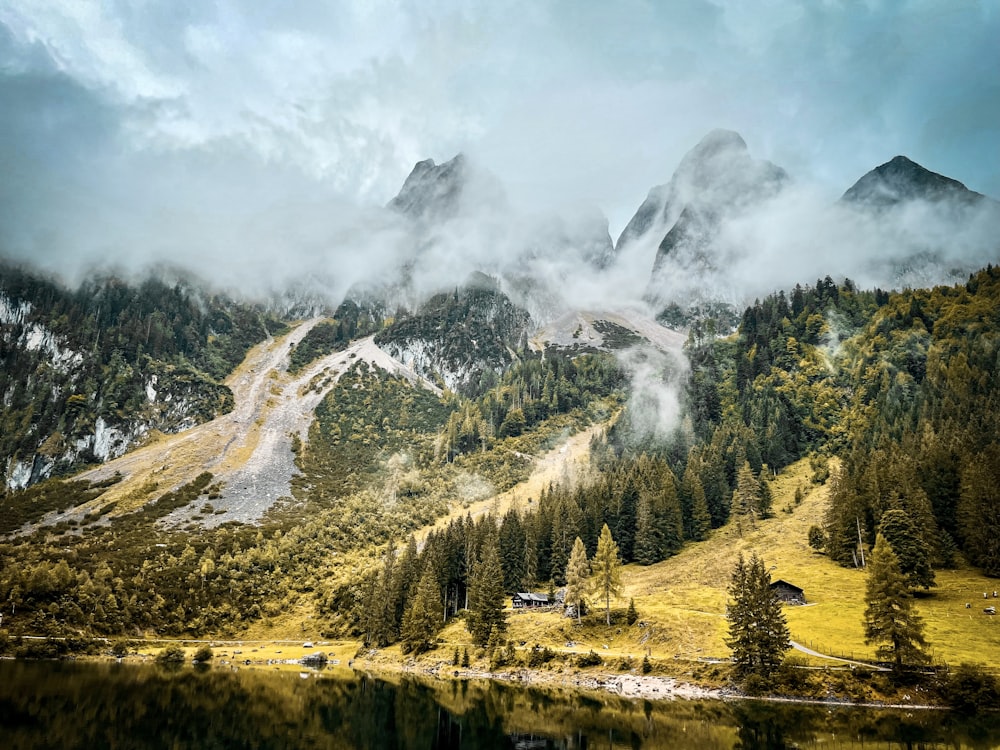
577, 573
694, 506
423, 618
912, 551
486, 596
758, 631
746, 496
890, 619
606, 568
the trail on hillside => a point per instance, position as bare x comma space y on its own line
249, 449
818, 655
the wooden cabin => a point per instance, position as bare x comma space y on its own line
788, 593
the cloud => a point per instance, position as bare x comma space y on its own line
257, 139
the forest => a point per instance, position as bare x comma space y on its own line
899, 387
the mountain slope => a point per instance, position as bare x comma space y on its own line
900, 180
87, 373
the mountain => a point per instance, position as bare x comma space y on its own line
678, 222
435, 192
901, 180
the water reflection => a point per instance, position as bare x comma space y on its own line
76, 705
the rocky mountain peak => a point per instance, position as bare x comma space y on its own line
438, 192
900, 180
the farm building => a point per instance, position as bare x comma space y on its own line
787, 592
523, 600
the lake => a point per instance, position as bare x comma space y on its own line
104, 705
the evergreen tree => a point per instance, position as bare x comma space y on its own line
423, 618
746, 497
606, 568
647, 544
486, 596
577, 573
383, 627
512, 550
766, 498
758, 631
694, 506
890, 619
979, 510
911, 550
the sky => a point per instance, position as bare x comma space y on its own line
251, 136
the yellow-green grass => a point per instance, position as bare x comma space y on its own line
682, 601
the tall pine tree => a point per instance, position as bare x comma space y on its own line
890, 619
758, 631
486, 596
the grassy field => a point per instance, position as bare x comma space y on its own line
682, 601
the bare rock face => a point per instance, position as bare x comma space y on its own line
900, 180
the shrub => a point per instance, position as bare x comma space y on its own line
970, 689
589, 660
203, 654
817, 539
539, 655
171, 655
647, 666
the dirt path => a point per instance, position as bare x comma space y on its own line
818, 655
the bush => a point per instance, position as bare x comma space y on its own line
539, 655
647, 666
817, 539
589, 660
203, 654
755, 684
970, 689
171, 655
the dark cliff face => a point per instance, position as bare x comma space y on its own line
901, 180
457, 336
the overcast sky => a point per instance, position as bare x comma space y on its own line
247, 130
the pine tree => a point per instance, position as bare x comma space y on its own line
647, 546
746, 496
694, 506
890, 619
423, 617
912, 551
577, 573
758, 631
486, 596
606, 568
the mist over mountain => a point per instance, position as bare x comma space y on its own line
727, 228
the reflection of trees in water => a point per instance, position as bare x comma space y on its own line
52, 704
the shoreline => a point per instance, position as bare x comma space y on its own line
340, 656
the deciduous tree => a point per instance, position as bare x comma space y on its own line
606, 568
577, 573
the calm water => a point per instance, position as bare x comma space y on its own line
82, 705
